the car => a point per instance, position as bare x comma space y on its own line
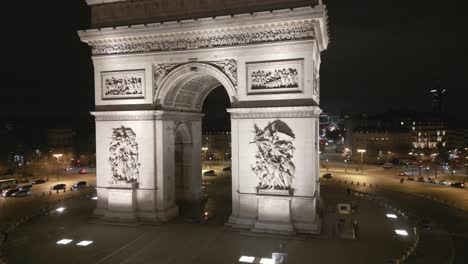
459, 184
22, 193
421, 179
209, 173
327, 176
39, 181
82, 171
387, 165
442, 182
26, 187
60, 186
227, 168
402, 173
68, 168
410, 179
9, 192
79, 185
431, 180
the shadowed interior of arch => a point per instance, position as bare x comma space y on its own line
216, 152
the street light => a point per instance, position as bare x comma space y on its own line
57, 156
204, 149
362, 151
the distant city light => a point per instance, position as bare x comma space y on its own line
247, 259
391, 216
64, 241
401, 232
84, 243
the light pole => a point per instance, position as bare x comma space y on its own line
362, 151
204, 149
57, 156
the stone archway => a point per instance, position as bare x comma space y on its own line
151, 81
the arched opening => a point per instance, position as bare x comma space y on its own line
200, 185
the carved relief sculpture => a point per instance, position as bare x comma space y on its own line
123, 84
274, 76
229, 67
161, 70
274, 167
124, 155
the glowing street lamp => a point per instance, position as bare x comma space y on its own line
362, 151
57, 156
205, 150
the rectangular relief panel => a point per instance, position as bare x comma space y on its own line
123, 84
283, 76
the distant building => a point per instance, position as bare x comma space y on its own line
438, 95
61, 139
397, 132
218, 146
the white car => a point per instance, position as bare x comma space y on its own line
387, 165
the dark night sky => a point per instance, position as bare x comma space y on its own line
383, 54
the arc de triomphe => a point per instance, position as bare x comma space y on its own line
155, 61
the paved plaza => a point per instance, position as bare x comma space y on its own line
196, 238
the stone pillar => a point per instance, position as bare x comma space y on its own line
165, 171
122, 200
279, 210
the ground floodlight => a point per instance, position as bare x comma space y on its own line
391, 216
267, 261
64, 241
401, 232
247, 259
84, 243
94, 198
60, 209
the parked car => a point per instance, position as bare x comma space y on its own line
227, 168
9, 192
459, 184
431, 180
327, 176
26, 187
22, 193
421, 179
39, 181
442, 182
79, 185
209, 173
410, 179
82, 171
387, 165
60, 186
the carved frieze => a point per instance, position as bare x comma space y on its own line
161, 70
287, 31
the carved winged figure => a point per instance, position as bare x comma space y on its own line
274, 167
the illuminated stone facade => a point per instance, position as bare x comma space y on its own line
179, 64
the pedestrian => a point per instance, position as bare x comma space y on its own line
50, 193
5, 237
357, 169
348, 190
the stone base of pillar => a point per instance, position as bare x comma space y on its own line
122, 202
274, 212
168, 213
309, 227
241, 222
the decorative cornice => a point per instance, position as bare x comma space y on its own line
275, 112
177, 115
124, 115
201, 39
